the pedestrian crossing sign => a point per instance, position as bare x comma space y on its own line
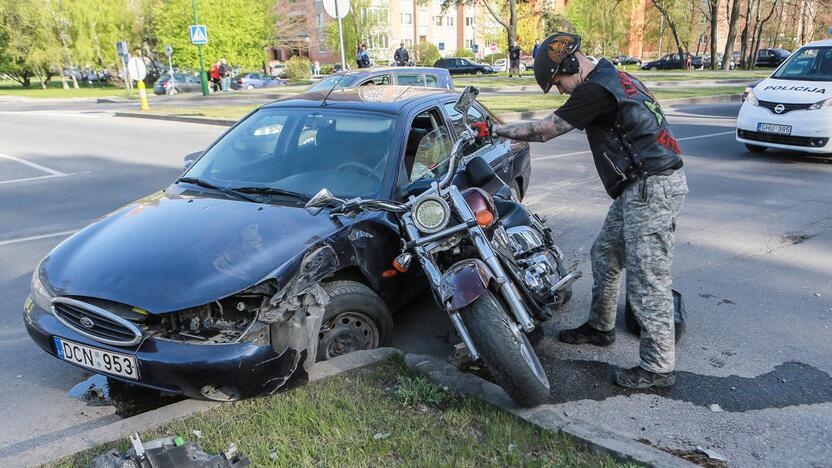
199, 34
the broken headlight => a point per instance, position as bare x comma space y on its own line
41, 295
229, 320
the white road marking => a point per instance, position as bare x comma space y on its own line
42, 236
29, 179
557, 156
33, 165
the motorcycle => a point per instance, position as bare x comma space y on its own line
492, 265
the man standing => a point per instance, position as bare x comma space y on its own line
514, 60
536, 46
639, 163
363, 57
401, 56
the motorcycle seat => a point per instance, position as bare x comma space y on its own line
512, 214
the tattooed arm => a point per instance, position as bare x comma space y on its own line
534, 130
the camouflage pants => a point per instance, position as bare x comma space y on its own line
638, 236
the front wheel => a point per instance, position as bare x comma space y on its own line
355, 319
506, 351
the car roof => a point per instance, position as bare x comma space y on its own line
367, 71
389, 99
820, 43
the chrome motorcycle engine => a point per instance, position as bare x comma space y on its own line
539, 264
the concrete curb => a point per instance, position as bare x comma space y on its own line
182, 409
508, 116
594, 438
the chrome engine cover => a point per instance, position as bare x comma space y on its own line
524, 239
539, 264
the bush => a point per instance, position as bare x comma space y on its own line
464, 53
495, 56
428, 54
298, 68
327, 69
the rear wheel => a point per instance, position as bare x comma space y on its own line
506, 351
250, 86
355, 319
478, 72
756, 148
654, 68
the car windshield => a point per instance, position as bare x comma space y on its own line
327, 83
808, 64
302, 151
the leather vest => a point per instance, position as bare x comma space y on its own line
640, 143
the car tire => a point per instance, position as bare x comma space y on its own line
251, 86
175, 91
654, 68
356, 318
756, 148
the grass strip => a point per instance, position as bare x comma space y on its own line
381, 415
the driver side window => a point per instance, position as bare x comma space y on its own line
428, 147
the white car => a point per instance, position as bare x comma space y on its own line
792, 108
501, 65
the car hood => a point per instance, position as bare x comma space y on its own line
168, 252
793, 91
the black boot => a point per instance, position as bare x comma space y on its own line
586, 334
640, 378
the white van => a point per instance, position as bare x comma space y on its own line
792, 109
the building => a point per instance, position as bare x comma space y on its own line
304, 24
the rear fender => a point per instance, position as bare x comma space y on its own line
464, 282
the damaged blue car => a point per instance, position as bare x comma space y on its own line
222, 285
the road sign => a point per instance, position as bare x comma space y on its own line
121, 48
493, 46
199, 33
136, 69
168, 50
337, 8
475, 48
441, 46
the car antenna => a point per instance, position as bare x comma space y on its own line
323, 101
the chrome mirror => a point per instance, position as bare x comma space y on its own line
321, 199
465, 101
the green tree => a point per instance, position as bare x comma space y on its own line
602, 24
238, 30
463, 53
27, 49
358, 26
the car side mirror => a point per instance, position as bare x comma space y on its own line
466, 100
321, 199
192, 158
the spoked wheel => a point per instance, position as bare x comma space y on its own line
506, 351
355, 319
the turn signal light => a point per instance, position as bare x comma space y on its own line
481, 204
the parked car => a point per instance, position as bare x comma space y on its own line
256, 80
706, 61
222, 285
791, 109
404, 76
463, 66
771, 58
625, 60
277, 69
672, 62
182, 83
501, 65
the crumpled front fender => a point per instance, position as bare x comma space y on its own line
464, 282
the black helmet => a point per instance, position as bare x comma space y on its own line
556, 55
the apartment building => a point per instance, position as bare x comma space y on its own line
458, 27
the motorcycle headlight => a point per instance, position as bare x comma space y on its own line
751, 98
821, 104
41, 296
431, 214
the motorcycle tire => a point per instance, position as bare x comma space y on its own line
508, 355
679, 317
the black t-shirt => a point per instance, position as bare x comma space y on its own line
589, 103
514, 53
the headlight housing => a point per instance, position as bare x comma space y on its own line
821, 104
41, 295
431, 214
751, 98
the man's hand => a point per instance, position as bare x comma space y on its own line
483, 129
535, 130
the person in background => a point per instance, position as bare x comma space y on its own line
225, 75
401, 56
214, 76
536, 46
363, 57
316, 68
514, 61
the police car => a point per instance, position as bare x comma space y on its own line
792, 108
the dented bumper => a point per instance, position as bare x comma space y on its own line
208, 371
